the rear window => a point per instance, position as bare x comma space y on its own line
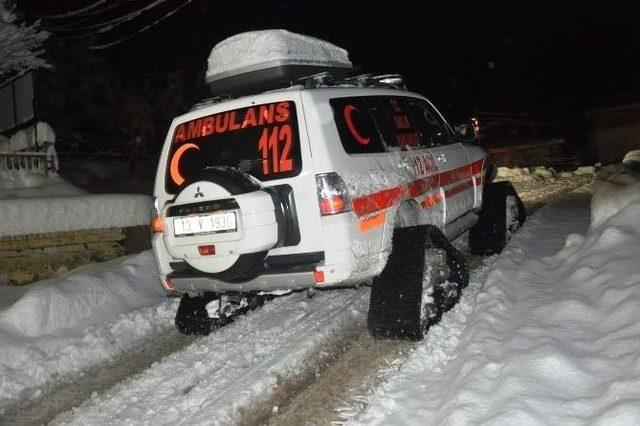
261, 140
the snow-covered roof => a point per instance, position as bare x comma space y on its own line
258, 50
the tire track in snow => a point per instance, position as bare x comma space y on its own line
216, 377
63, 395
342, 388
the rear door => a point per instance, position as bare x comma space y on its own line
263, 136
451, 158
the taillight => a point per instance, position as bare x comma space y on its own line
333, 197
157, 224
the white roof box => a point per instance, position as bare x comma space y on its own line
263, 60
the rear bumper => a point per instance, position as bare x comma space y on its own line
293, 278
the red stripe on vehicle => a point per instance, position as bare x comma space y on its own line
458, 188
477, 166
389, 197
377, 201
422, 185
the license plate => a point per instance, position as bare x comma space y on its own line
204, 224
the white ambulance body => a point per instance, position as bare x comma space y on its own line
324, 176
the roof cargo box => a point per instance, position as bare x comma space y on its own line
256, 61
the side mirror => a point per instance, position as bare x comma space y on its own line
468, 132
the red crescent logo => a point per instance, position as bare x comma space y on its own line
348, 110
175, 161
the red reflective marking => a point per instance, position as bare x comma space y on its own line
422, 185
389, 197
431, 201
168, 284
457, 189
377, 201
348, 111
206, 250
460, 173
477, 166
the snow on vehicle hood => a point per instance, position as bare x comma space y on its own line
254, 50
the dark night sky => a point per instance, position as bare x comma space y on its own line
465, 55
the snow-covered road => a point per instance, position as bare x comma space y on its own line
553, 336
239, 371
211, 380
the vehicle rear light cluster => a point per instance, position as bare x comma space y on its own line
333, 197
157, 221
157, 224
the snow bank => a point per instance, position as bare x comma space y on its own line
242, 52
27, 139
632, 160
63, 325
56, 214
554, 337
525, 174
25, 183
612, 195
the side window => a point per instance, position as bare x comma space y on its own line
356, 126
403, 133
432, 129
382, 119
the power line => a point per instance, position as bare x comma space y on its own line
105, 26
77, 11
162, 18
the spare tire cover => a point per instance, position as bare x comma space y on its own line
216, 184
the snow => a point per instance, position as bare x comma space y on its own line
612, 196
210, 381
20, 45
548, 333
244, 51
66, 324
26, 139
25, 183
553, 335
632, 160
537, 173
59, 213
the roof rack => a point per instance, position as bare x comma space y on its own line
324, 79
327, 79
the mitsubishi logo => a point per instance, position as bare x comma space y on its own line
198, 193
